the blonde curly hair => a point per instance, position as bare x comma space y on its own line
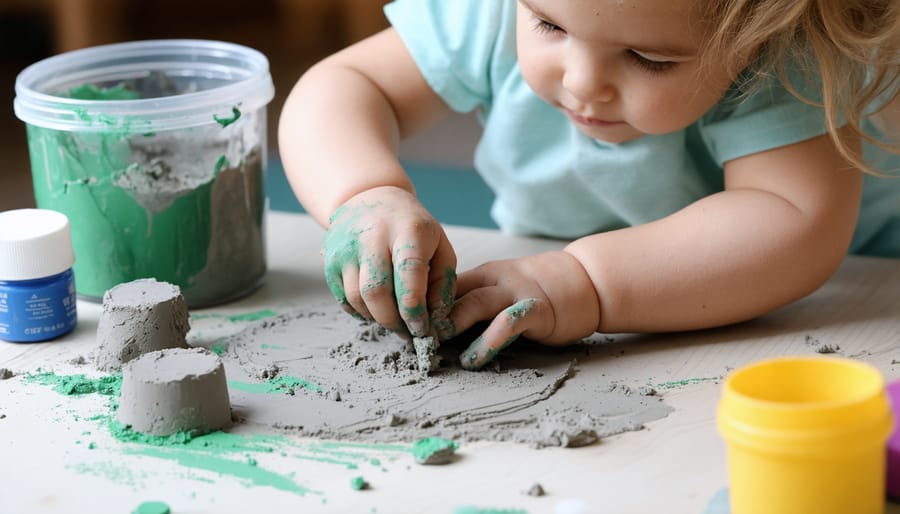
848, 49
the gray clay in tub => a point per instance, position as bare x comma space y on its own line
175, 390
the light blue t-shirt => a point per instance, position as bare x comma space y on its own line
552, 180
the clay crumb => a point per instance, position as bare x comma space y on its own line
820, 347
78, 361
434, 451
6, 374
646, 391
426, 357
358, 484
535, 490
152, 508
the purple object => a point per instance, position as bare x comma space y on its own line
893, 448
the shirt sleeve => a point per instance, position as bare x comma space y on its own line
455, 43
767, 117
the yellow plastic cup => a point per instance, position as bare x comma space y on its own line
805, 435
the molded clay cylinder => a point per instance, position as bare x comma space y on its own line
139, 317
175, 390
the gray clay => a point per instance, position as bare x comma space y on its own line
426, 356
535, 490
537, 398
175, 390
6, 374
139, 317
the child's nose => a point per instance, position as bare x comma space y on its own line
589, 81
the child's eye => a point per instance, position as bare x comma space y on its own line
649, 64
545, 27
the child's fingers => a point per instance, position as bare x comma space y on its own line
477, 305
506, 327
376, 287
352, 296
442, 287
411, 286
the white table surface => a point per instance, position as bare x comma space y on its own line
675, 465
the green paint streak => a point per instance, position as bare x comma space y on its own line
218, 348
685, 382
266, 346
114, 472
251, 475
221, 163
468, 509
189, 449
280, 384
330, 446
235, 318
228, 120
73, 385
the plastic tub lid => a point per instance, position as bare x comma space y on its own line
240, 76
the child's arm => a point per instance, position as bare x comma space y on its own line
338, 137
777, 232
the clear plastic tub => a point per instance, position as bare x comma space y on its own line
156, 152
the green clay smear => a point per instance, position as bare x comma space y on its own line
235, 318
92, 92
72, 385
468, 509
280, 384
423, 449
358, 483
218, 452
152, 508
228, 120
143, 203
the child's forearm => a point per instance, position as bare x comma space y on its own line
727, 258
338, 136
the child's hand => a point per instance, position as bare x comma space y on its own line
388, 260
546, 297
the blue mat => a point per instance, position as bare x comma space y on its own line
454, 196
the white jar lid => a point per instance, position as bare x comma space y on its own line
34, 243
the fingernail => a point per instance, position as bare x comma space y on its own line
418, 327
469, 360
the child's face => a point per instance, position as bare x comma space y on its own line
619, 69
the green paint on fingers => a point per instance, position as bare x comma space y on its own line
519, 310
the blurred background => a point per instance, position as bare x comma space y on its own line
293, 34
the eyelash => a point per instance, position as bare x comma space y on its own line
648, 65
545, 27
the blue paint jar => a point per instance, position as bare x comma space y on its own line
37, 287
